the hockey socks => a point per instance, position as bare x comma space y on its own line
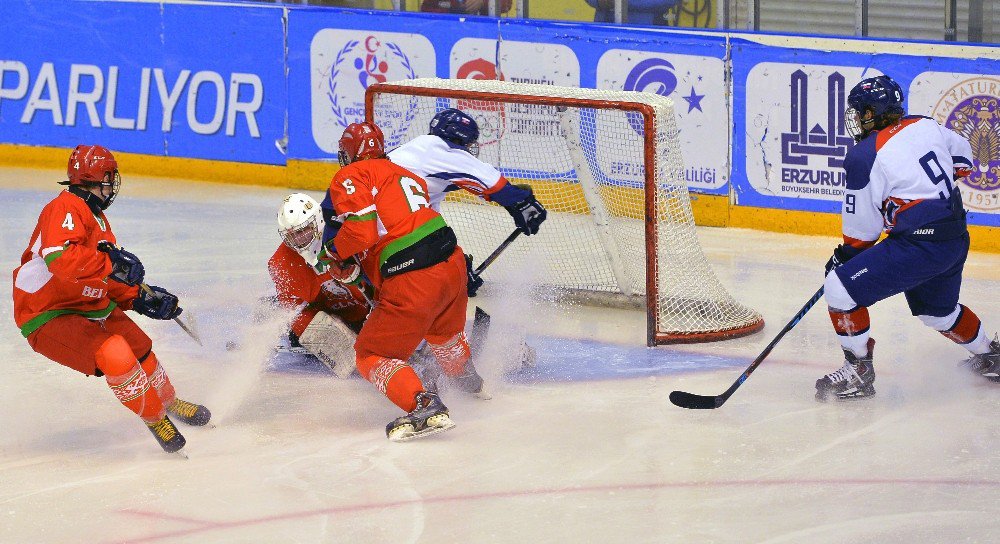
394, 378
852, 327
452, 355
127, 380
966, 330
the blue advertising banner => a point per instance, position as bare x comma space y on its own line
788, 121
334, 55
197, 81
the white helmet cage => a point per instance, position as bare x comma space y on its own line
300, 224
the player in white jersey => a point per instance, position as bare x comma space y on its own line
447, 159
900, 178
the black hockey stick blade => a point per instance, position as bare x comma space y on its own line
695, 402
701, 402
480, 329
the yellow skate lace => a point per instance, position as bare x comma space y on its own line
163, 429
183, 408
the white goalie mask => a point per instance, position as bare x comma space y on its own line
300, 224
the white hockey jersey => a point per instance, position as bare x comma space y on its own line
446, 168
901, 178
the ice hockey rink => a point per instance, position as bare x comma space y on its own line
585, 447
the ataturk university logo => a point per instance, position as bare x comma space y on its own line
972, 109
358, 65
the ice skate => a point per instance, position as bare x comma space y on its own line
986, 364
471, 382
189, 412
167, 435
429, 417
854, 380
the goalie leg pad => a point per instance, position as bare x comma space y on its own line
332, 342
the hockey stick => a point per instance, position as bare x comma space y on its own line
703, 402
496, 252
189, 328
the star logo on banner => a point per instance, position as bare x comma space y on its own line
694, 101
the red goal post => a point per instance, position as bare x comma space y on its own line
606, 164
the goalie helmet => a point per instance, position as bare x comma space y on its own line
91, 165
300, 224
873, 104
457, 127
361, 141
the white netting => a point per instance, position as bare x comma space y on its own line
584, 155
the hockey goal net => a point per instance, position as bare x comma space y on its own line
607, 167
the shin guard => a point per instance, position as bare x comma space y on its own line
158, 378
127, 380
452, 355
394, 378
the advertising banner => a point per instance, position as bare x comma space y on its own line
195, 81
788, 119
349, 50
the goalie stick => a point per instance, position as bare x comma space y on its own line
703, 402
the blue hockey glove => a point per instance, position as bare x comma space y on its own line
157, 303
125, 266
841, 255
528, 213
475, 282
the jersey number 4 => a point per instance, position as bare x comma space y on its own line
68, 222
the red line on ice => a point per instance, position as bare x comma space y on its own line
219, 525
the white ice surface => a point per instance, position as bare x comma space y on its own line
586, 448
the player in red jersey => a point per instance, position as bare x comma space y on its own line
329, 313
72, 288
408, 252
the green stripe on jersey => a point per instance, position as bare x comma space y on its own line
404, 242
36, 322
370, 216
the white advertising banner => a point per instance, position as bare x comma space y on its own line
969, 104
343, 63
796, 140
697, 86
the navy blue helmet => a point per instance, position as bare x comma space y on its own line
457, 127
873, 104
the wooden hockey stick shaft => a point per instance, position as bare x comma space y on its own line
703, 402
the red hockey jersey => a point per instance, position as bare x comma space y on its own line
298, 283
62, 271
384, 207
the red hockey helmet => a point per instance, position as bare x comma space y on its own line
361, 141
94, 165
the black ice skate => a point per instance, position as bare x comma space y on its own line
854, 380
429, 417
189, 412
471, 382
167, 435
986, 364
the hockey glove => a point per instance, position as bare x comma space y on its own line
475, 282
841, 255
156, 303
529, 213
125, 266
346, 272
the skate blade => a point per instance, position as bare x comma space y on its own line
406, 433
483, 394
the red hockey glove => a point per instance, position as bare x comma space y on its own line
346, 272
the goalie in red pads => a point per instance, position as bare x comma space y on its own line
72, 288
410, 255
